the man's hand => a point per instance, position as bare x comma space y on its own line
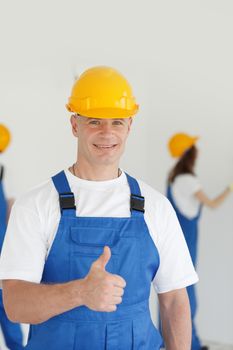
102, 291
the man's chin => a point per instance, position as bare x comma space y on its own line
107, 161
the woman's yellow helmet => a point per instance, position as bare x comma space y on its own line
180, 143
4, 137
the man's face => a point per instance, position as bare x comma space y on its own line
101, 141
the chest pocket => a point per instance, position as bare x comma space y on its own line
87, 244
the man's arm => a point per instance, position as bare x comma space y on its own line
176, 319
33, 303
27, 302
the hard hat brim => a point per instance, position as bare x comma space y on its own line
105, 113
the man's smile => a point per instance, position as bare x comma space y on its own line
105, 146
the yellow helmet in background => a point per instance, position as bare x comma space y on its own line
102, 92
180, 143
4, 137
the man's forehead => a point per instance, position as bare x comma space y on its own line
102, 119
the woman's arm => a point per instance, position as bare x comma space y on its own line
215, 202
10, 203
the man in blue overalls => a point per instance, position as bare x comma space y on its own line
11, 331
93, 239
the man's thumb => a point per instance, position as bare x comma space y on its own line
104, 258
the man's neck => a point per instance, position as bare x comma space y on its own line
96, 173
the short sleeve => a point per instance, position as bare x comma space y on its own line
176, 269
188, 184
24, 249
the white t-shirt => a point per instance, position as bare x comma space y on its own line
183, 189
35, 217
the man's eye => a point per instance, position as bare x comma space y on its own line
94, 122
117, 122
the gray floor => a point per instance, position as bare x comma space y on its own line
215, 346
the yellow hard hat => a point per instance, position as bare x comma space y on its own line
4, 137
180, 143
102, 92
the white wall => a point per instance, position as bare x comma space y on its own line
178, 56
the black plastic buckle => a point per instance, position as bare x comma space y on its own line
66, 200
137, 203
1, 172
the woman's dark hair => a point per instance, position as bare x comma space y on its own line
185, 164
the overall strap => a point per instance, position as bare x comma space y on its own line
1, 172
172, 201
137, 202
169, 194
66, 197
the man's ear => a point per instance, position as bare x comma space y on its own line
130, 124
74, 124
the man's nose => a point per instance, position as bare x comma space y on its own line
106, 128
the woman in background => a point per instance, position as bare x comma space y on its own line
187, 197
11, 331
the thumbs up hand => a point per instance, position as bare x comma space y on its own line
102, 261
102, 291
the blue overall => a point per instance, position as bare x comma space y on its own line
79, 241
11, 331
190, 230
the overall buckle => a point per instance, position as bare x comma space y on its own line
137, 203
